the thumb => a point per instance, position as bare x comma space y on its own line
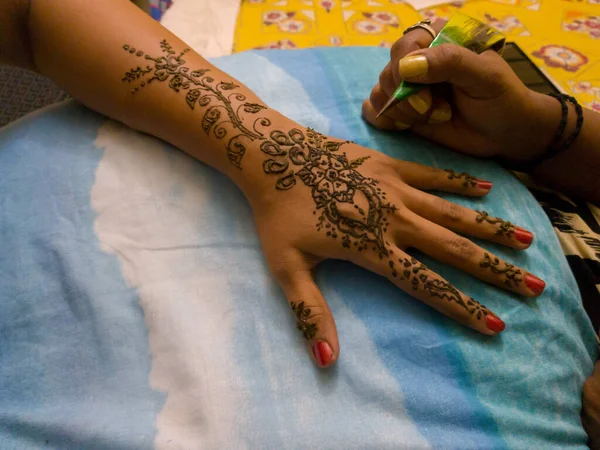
479, 75
313, 317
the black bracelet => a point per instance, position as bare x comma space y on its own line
556, 146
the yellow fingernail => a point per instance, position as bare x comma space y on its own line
413, 66
420, 104
401, 125
440, 115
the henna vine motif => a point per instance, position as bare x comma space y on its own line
469, 180
201, 89
309, 330
416, 272
511, 273
505, 229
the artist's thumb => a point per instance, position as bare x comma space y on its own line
313, 317
479, 75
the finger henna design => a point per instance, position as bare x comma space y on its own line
221, 117
416, 273
505, 228
468, 180
308, 329
349, 206
512, 275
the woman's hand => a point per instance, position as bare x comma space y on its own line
481, 107
591, 407
332, 199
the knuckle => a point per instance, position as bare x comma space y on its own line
450, 211
377, 97
460, 248
384, 77
451, 54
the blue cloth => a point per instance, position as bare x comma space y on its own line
136, 309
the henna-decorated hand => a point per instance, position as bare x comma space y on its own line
591, 408
334, 199
316, 198
472, 103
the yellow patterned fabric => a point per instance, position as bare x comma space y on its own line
561, 37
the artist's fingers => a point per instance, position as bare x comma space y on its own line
418, 281
450, 248
479, 75
413, 40
446, 180
413, 110
313, 316
382, 122
466, 221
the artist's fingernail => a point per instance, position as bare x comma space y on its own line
401, 125
322, 353
534, 284
413, 66
440, 115
420, 104
482, 184
494, 323
523, 236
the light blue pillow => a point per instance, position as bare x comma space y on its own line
136, 309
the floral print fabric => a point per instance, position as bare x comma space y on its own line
561, 37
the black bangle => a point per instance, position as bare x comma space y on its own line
557, 147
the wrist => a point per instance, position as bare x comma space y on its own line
545, 113
534, 133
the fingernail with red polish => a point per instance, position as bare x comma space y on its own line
534, 283
494, 323
523, 236
487, 185
322, 352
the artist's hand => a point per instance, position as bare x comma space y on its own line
480, 107
329, 199
591, 408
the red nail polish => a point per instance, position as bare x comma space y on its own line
487, 185
322, 352
534, 283
494, 323
523, 236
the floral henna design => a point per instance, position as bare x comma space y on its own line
505, 229
221, 116
335, 183
309, 330
468, 180
512, 275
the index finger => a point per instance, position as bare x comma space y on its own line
413, 40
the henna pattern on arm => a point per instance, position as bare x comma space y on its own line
203, 90
468, 180
306, 156
505, 229
511, 274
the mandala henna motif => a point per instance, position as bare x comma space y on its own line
334, 182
